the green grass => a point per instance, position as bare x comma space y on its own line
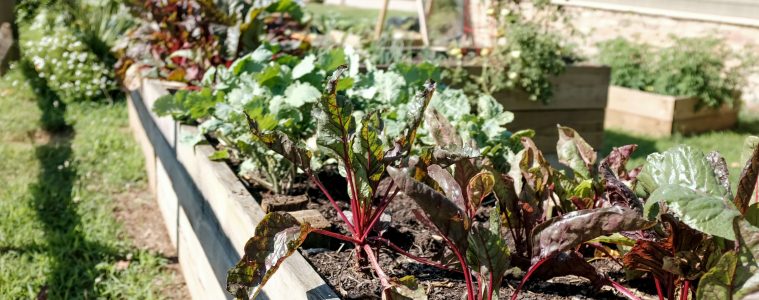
729, 143
62, 167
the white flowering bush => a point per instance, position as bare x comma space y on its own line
71, 70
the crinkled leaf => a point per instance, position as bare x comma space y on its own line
575, 152
367, 158
699, 210
447, 217
277, 236
441, 130
680, 165
748, 179
332, 60
300, 93
479, 187
304, 67
448, 184
566, 232
334, 118
617, 193
281, 144
617, 161
719, 165
417, 106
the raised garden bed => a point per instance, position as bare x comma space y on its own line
579, 101
208, 212
660, 116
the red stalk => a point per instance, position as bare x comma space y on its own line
623, 290
375, 265
490, 286
378, 214
419, 259
658, 288
338, 236
334, 204
464, 267
527, 277
684, 292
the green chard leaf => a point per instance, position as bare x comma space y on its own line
681, 165
334, 117
417, 107
699, 210
489, 253
281, 144
735, 275
367, 156
277, 237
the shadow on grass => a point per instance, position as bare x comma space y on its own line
617, 139
73, 270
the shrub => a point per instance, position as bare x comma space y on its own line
692, 67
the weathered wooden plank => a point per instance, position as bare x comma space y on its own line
623, 120
142, 139
151, 90
659, 115
238, 213
579, 87
641, 103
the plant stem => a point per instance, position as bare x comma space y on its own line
334, 204
684, 292
464, 267
622, 289
378, 214
527, 276
338, 236
394, 247
658, 288
375, 265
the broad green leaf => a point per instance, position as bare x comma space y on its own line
367, 157
300, 93
169, 105
251, 63
333, 114
277, 237
219, 155
304, 67
575, 152
567, 231
701, 211
332, 60
747, 185
488, 253
442, 212
680, 165
417, 106
281, 144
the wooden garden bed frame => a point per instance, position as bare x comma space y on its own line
579, 101
658, 115
208, 212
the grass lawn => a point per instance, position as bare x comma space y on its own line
61, 171
728, 143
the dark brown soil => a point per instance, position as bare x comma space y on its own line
334, 259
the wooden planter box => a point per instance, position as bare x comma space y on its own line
208, 212
660, 116
579, 101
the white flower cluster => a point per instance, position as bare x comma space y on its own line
71, 70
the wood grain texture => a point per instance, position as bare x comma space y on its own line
658, 115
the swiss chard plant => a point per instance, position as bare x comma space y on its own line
180, 40
450, 196
357, 146
705, 240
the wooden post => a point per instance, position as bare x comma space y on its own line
423, 22
9, 31
381, 20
